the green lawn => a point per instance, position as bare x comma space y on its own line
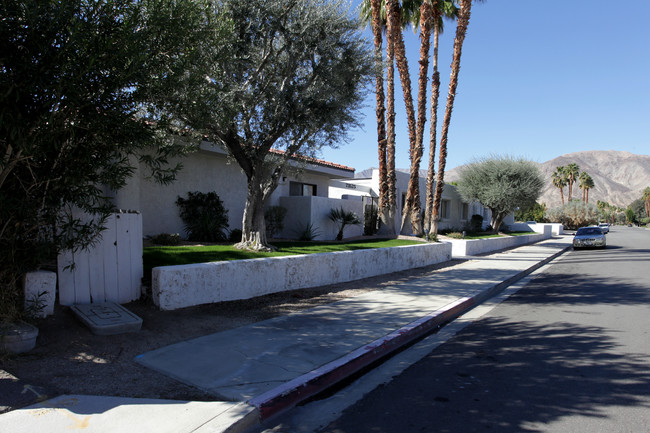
521, 233
183, 255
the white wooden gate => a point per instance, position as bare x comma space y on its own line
111, 271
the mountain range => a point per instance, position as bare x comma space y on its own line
619, 177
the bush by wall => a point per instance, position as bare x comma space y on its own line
204, 216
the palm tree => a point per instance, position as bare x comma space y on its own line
582, 179
374, 11
343, 218
412, 207
394, 18
397, 17
586, 182
377, 25
572, 173
461, 29
440, 9
559, 180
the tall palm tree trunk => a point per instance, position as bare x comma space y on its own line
384, 202
461, 30
394, 19
391, 27
435, 95
413, 194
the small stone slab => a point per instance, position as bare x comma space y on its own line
107, 318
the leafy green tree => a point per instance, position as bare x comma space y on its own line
638, 207
294, 83
646, 201
531, 213
77, 82
501, 184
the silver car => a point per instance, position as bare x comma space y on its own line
604, 227
589, 237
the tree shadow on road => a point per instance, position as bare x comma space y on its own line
508, 375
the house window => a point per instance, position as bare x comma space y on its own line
464, 211
444, 209
300, 189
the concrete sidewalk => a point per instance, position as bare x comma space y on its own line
270, 366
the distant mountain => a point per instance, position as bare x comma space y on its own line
619, 177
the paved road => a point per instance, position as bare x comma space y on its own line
570, 351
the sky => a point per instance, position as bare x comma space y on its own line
535, 82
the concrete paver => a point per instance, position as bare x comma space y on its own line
269, 366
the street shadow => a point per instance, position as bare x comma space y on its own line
571, 289
508, 377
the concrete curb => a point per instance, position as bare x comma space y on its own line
290, 394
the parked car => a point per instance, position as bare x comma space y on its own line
589, 237
604, 227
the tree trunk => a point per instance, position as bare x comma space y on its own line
413, 193
389, 227
253, 224
497, 220
435, 94
562, 195
384, 202
461, 30
394, 18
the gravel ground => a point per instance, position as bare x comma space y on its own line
69, 359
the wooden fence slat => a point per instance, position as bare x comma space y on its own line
109, 263
81, 277
65, 278
123, 260
109, 271
96, 269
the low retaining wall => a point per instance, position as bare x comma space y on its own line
202, 283
472, 247
557, 229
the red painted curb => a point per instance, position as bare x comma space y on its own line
309, 384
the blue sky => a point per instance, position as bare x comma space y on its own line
536, 82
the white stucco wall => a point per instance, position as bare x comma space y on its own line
182, 286
207, 170
472, 247
303, 210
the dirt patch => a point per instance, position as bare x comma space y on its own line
69, 359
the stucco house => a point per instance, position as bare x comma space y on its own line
308, 193
454, 213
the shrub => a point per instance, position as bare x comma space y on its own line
204, 216
476, 223
167, 239
574, 214
308, 233
274, 218
343, 218
370, 220
455, 235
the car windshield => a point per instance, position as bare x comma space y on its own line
589, 231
